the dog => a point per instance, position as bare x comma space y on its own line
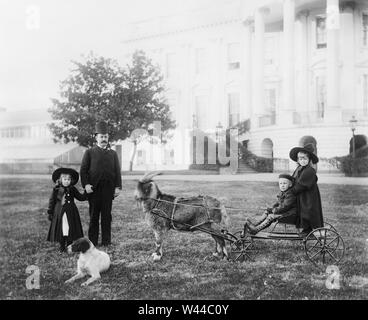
91, 261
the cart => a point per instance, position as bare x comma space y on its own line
323, 246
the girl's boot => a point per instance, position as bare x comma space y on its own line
63, 244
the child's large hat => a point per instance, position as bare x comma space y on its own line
74, 174
101, 127
308, 149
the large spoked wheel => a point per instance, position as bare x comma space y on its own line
242, 249
324, 246
329, 226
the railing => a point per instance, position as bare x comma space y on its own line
313, 117
360, 115
267, 120
308, 117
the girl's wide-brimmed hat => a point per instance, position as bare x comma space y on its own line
308, 148
74, 174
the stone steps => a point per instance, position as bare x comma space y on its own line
243, 168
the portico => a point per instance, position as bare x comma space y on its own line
297, 62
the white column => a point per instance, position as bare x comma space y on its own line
333, 112
288, 105
258, 74
347, 47
301, 100
248, 67
186, 105
220, 95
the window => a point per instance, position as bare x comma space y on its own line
234, 108
200, 111
365, 29
321, 32
200, 61
270, 50
270, 100
141, 157
233, 56
365, 95
172, 102
169, 157
321, 96
4, 133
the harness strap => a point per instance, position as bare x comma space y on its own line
173, 212
200, 224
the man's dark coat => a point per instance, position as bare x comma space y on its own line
100, 168
98, 164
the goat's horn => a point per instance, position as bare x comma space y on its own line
148, 176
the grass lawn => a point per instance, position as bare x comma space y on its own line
187, 269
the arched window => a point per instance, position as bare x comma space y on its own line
267, 148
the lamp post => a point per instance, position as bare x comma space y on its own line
218, 130
194, 121
353, 123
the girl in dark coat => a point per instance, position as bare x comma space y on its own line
65, 225
305, 188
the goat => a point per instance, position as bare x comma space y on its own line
164, 212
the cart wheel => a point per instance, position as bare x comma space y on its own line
243, 248
324, 246
329, 226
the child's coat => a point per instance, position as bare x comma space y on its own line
309, 205
62, 201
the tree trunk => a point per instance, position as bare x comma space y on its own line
133, 155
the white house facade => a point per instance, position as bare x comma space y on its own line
298, 69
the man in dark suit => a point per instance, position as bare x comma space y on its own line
101, 178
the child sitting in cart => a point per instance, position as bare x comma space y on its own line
284, 210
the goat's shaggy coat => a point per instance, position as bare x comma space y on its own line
164, 212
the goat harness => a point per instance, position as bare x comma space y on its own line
169, 213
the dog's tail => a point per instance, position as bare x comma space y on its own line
117, 262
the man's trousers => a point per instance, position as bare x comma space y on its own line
100, 203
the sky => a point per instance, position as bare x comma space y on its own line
39, 38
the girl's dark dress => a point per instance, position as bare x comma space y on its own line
62, 201
309, 207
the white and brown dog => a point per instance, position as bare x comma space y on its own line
91, 261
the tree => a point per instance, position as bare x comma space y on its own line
100, 89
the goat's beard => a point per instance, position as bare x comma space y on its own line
143, 204
139, 204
